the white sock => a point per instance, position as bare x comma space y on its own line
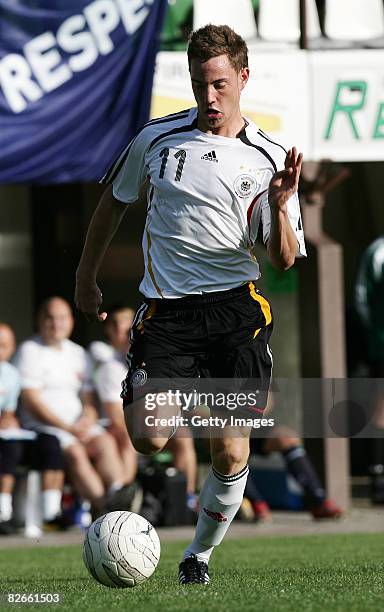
5, 506
220, 499
51, 503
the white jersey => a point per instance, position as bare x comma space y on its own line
207, 200
60, 374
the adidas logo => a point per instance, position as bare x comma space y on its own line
211, 156
216, 516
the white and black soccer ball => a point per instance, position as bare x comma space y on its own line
121, 549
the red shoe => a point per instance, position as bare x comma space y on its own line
261, 512
327, 510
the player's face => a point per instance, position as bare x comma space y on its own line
7, 343
118, 328
217, 88
56, 323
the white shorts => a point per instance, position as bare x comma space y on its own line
65, 438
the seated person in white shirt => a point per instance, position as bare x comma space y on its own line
57, 399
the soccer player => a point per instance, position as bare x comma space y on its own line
211, 180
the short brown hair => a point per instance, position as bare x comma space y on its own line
212, 41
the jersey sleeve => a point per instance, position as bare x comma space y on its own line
294, 216
129, 172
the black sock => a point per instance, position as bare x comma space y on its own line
300, 467
251, 491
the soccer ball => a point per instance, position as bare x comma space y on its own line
121, 549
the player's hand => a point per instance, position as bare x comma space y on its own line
88, 299
82, 428
81, 434
284, 184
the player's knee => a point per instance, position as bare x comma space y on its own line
229, 455
230, 460
148, 446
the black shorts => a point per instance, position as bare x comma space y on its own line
14, 454
43, 453
220, 335
48, 452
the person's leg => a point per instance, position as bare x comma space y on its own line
260, 508
83, 475
52, 479
10, 456
51, 464
119, 492
220, 498
52, 484
52, 491
104, 454
128, 455
241, 326
252, 492
261, 511
148, 437
184, 457
301, 468
126, 449
7, 483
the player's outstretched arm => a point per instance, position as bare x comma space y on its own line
282, 243
103, 225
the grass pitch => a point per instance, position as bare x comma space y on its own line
316, 573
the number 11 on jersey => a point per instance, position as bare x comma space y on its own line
180, 155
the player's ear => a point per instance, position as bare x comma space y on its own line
243, 77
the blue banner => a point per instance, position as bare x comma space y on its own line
75, 84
